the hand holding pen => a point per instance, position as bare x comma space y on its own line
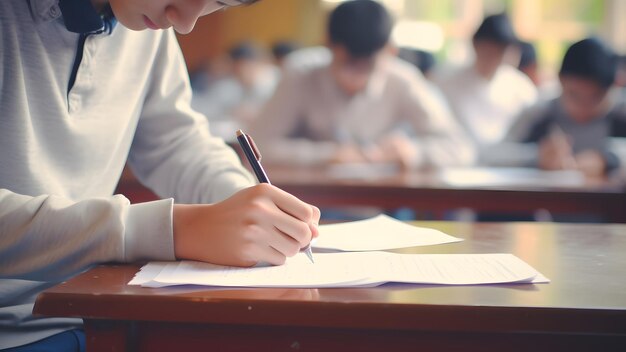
555, 151
254, 158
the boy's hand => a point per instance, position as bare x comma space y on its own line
591, 163
258, 224
393, 148
555, 153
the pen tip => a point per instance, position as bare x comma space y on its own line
239, 133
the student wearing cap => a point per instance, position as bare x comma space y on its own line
486, 95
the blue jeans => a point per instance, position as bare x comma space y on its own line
67, 341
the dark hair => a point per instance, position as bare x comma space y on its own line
421, 59
497, 29
283, 48
528, 55
363, 27
245, 51
591, 59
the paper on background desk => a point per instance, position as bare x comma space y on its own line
377, 234
511, 177
355, 269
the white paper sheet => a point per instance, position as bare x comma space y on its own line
349, 270
376, 234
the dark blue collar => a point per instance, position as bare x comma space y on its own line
80, 16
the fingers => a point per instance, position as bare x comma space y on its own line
283, 243
291, 205
297, 230
271, 255
293, 222
313, 226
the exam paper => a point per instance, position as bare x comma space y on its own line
348, 270
376, 234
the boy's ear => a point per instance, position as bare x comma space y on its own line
391, 49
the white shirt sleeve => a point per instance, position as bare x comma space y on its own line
440, 141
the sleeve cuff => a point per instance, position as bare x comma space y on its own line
149, 231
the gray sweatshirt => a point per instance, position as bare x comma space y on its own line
605, 134
62, 152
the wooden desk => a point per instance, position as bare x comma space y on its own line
584, 308
425, 191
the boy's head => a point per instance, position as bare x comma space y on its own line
281, 49
358, 33
247, 60
528, 61
160, 14
495, 43
588, 71
423, 60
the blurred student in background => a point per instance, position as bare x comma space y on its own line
528, 64
487, 95
237, 98
620, 81
584, 129
423, 60
347, 108
281, 49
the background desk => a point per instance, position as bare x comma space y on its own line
425, 191
584, 308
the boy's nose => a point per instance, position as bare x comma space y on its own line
184, 13
182, 21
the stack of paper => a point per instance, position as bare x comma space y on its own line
367, 267
348, 270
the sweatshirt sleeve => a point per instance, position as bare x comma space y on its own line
280, 117
173, 152
49, 237
439, 140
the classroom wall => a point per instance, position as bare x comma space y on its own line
264, 22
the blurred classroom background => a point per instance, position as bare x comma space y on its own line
234, 60
443, 27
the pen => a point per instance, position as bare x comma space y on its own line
254, 158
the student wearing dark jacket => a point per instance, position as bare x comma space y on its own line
583, 129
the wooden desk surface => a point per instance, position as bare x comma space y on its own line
584, 305
426, 191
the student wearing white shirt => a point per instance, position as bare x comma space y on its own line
81, 92
230, 102
487, 95
352, 101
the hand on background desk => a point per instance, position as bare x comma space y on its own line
591, 163
259, 224
393, 148
555, 153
